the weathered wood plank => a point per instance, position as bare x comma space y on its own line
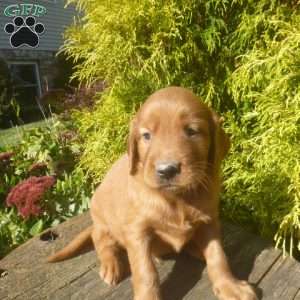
283, 280
250, 256
28, 270
297, 296
182, 277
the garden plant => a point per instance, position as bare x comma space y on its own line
39, 186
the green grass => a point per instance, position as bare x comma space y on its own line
12, 136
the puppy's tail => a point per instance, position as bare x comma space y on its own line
82, 240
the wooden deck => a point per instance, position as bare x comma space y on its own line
26, 275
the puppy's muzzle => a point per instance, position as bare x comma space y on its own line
167, 170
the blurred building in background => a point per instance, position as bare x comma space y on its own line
30, 35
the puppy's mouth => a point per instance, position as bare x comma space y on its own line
169, 187
164, 186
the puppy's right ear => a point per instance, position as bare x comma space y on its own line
132, 148
221, 140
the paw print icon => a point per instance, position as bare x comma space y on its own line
24, 32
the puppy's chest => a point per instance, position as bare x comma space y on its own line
178, 227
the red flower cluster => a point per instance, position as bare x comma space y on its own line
27, 194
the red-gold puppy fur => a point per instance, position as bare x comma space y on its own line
163, 196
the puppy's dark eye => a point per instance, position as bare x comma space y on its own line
190, 132
146, 136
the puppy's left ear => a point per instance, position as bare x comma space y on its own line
221, 140
132, 147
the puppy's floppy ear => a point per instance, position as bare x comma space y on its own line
221, 141
132, 148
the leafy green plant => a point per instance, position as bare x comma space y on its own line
52, 150
239, 56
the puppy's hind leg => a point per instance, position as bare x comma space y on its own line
108, 251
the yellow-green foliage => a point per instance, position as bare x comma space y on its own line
105, 131
263, 172
137, 48
241, 57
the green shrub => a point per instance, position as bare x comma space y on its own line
138, 48
240, 56
262, 173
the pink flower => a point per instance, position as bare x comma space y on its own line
27, 194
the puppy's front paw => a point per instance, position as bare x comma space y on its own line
234, 290
111, 270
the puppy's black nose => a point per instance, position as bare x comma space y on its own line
167, 170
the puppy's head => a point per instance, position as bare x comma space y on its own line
176, 142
